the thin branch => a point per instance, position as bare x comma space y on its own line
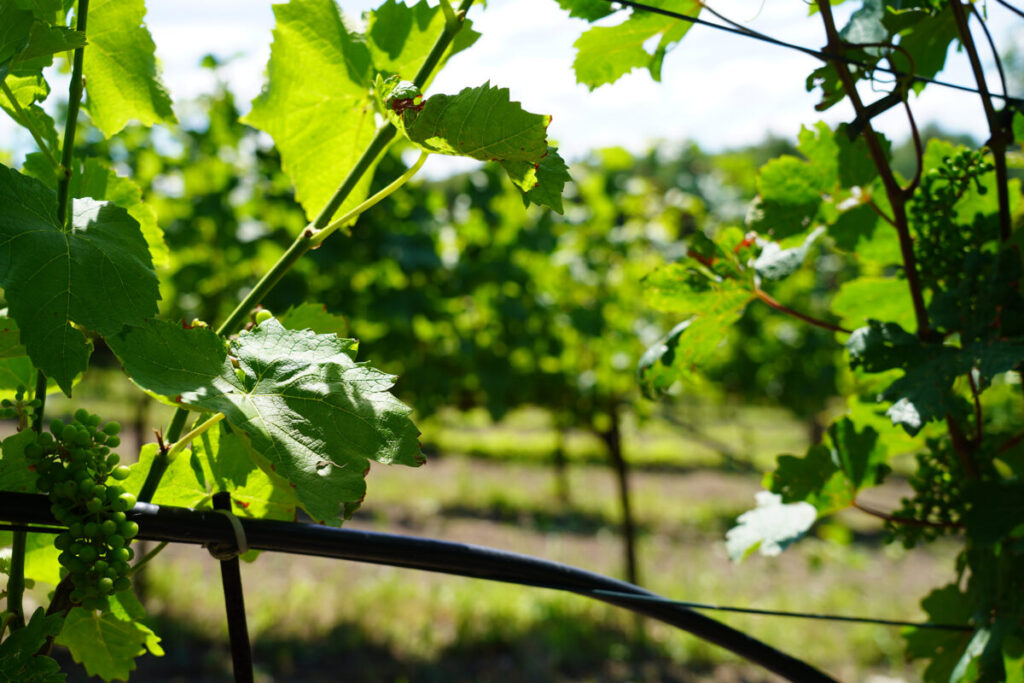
24, 121
1013, 441
1000, 133
184, 441
906, 521
883, 215
897, 197
767, 298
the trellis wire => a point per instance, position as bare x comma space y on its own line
819, 54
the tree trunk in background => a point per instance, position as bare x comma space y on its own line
612, 438
561, 467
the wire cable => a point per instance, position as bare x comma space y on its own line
818, 54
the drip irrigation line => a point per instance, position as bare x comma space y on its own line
204, 527
818, 54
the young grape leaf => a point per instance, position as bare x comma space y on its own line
28, 89
551, 175
97, 180
316, 103
776, 263
480, 123
769, 528
400, 37
19, 658
313, 416
97, 275
121, 73
104, 644
606, 53
789, 194
218, 461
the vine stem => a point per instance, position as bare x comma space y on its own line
897, 196
71, 124
23, 120
305, 241
782, 308
167, 454
61, 601
909, 521
1000, 137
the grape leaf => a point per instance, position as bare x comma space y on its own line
769, 528
480, 123
591, 10
97, 275
776, 263
27, 44
606, 53
829, 477
789, 194
97, 180
400, 37
945, 605
19, 660
15, 474
312, 414
996, 509
551, 176
122, 77
28, 89
311, 316
924, 392
104, 644
218, 461
316, 103
882, 298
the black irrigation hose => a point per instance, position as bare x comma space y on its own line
180, 525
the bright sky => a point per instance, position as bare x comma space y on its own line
718, 89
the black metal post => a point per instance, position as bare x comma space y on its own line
234, 603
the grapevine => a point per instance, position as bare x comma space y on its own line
75, 466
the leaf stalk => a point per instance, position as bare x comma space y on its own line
24, 121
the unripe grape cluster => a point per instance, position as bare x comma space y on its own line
941, 243
75, 466
19, 409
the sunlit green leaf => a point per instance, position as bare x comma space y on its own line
122, 79
105, 645
769, 528
316, 103
314, 417
97, 275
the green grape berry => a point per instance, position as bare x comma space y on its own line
263, 315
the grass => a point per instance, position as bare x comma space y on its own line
313, 619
